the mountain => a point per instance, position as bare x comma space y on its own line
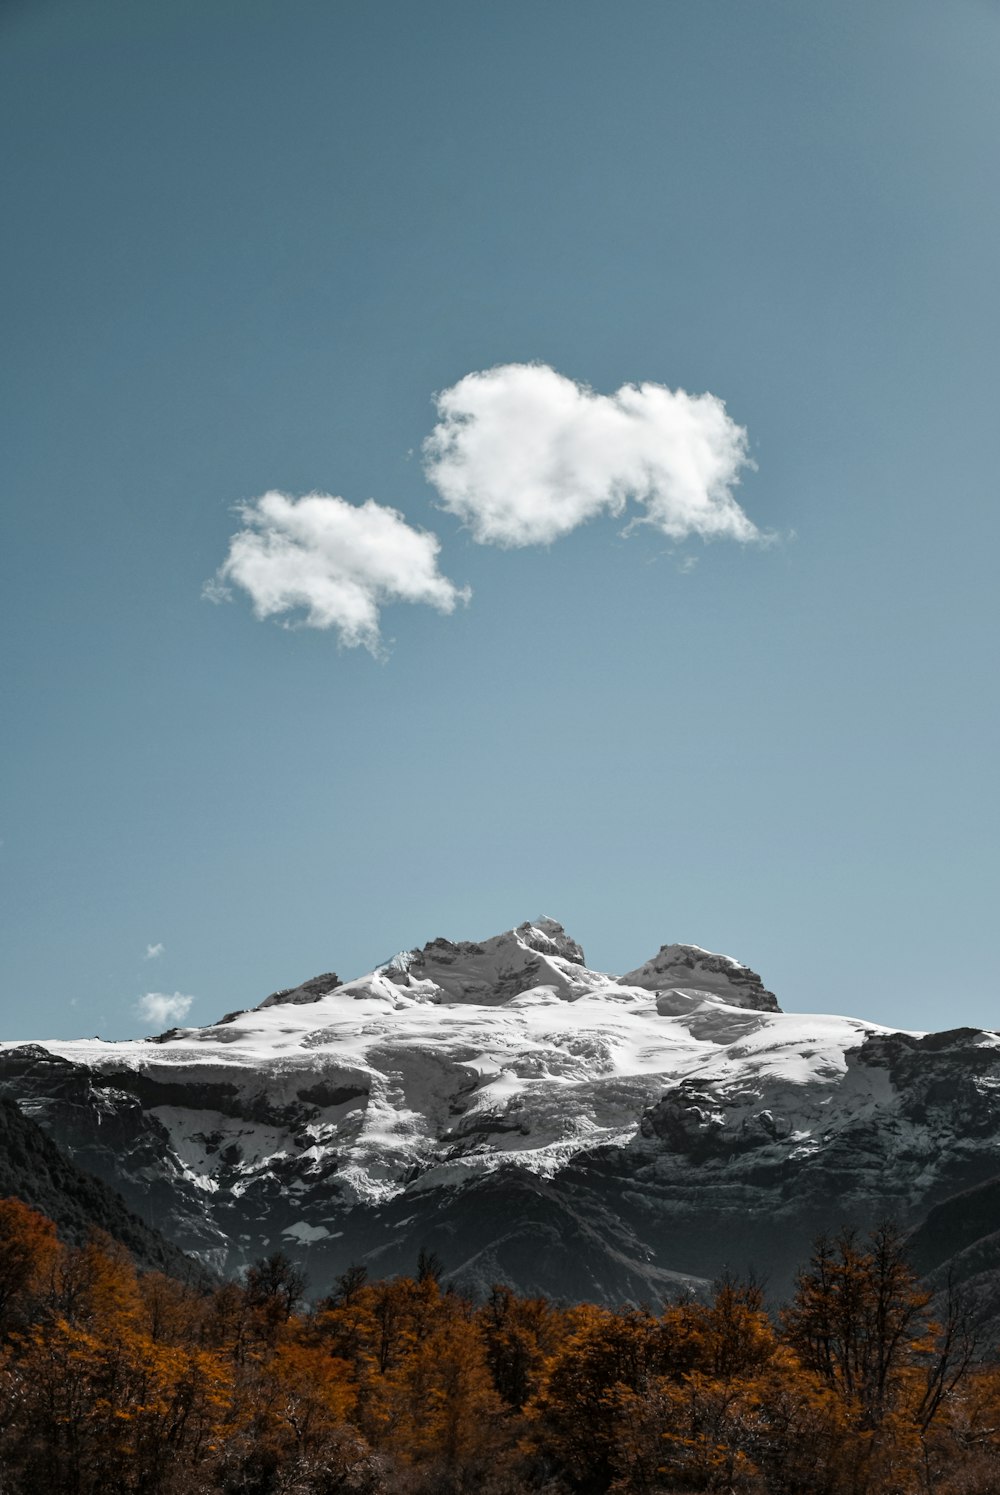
524, 1117
35, 1170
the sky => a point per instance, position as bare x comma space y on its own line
465, 462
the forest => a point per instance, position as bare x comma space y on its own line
112, 1380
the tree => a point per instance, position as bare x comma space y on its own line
858, 1319
443, 1410
29, 1249
347, 1286
429, 1264
592, 1381
273, 1288
519, 1334
275, 1282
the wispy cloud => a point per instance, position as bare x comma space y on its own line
153, 952
157, 1007
522, 455
337, 562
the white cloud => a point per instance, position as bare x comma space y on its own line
157, 1007
523, 455
153, 952
339, 562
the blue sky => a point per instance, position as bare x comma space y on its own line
245, 245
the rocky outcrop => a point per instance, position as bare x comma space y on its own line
310, 991
688, 967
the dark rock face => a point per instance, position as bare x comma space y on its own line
964, 1229
912, 1127
940, 1076
509, 1227
34, 1169
106, 1131
310, 991
956, 1248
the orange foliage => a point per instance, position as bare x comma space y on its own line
112, 1382
28, 1252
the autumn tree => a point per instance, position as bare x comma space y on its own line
596, 1377
858, 1318
29, 1249
173, 1312
98, 1404
442, 1407
275, 1279
116, 1383
712, 1360
519, 1335
860, 1321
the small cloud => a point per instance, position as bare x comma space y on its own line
216, 591
339, 563
157, 1007
523, 455
687, 565
153, 952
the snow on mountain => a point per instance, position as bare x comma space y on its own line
528, 1117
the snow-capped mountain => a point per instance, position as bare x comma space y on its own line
525, 1117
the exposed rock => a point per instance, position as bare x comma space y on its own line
34, 1169
689, 968
310, 991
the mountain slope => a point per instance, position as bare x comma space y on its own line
33, 1169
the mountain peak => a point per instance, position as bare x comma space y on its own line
690, 968
492, 971
548, 937
536, 954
